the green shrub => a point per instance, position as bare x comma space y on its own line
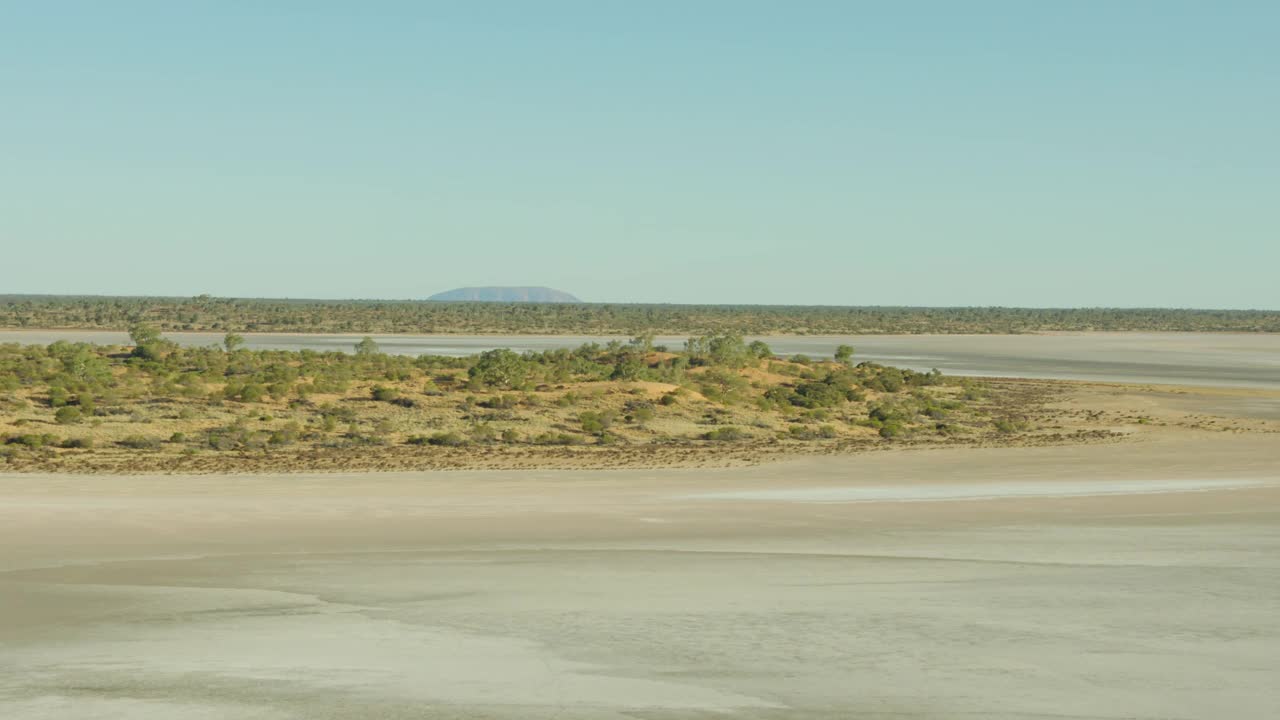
887, 380
499, 402
447, 439
32, 440
818, 394
549, 438
892, 429
249, 392
596, 422
58, 396
726, 434
225, 440
68, 415
483, 433
949, 429
804, 432
885, 412
140, 442
1010, 424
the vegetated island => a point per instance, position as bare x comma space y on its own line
155, 406
212, 314
505, 295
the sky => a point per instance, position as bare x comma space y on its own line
1043, 154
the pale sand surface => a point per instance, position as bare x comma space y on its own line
1150, 590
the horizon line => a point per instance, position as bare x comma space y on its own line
8, 297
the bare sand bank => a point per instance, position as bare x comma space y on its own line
588, 594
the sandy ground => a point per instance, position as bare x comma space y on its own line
1056, 412
1129, 580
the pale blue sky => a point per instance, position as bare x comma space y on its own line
919, 153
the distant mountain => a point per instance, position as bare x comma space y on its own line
505, 295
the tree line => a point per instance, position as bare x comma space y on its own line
206, 313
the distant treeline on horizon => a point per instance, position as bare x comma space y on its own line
213, 314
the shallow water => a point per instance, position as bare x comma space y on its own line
1224, 359
978, 491
592, 595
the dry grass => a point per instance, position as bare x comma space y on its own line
379, 434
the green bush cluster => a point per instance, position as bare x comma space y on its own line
81, 381
596, 423
1011, 424
805, 432
32, 440
726, 434
553, 438
140, 442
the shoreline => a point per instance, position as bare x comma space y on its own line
1220, 359
624, 335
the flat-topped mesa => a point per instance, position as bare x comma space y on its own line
505, 295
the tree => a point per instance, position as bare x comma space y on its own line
630, 366
232, 342
500, 368
143, 335
643, 342
696, 349
728, 350
146, 342
844, 355
367, 347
